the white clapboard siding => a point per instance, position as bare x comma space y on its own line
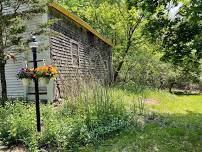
14, 86
9, 9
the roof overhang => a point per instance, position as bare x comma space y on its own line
79, 21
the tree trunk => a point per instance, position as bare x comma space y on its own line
3, 83
116, 73
125, 52
2, 63
170, 87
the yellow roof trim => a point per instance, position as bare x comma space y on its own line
79, 21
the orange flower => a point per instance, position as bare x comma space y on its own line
46, 71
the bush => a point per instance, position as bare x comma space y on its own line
18, 125
96, 115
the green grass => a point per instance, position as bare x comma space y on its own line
175, 126
176, 104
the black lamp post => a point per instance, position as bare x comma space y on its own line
33, 45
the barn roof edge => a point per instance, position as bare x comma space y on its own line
79, 21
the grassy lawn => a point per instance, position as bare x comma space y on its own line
176, 126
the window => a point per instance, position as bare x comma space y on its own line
106, 65
92, 56
93, 63
75, 53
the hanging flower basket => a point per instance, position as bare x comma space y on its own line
25, 75
45, 73
26, 82
44, 81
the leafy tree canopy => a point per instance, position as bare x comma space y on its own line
179, 37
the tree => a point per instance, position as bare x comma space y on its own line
11, 27
179, 36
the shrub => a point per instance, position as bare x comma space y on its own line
96, 115
18, 125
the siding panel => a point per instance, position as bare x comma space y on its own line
14, 86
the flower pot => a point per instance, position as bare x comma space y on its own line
44, 81
26, 82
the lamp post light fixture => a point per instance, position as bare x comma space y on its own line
33, 46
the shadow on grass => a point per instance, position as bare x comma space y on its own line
136, 89
164, 133
180, 93
131, 88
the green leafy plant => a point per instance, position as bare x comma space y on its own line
94, 116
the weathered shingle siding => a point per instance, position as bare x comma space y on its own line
94, 55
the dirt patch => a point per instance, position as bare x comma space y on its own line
151, 102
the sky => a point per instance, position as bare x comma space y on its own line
173, 10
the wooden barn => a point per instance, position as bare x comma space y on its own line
79, 52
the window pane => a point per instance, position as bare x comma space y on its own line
75, 60
75, 54
74, 48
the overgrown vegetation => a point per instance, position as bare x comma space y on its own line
117, 119
114, 119
94, 116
